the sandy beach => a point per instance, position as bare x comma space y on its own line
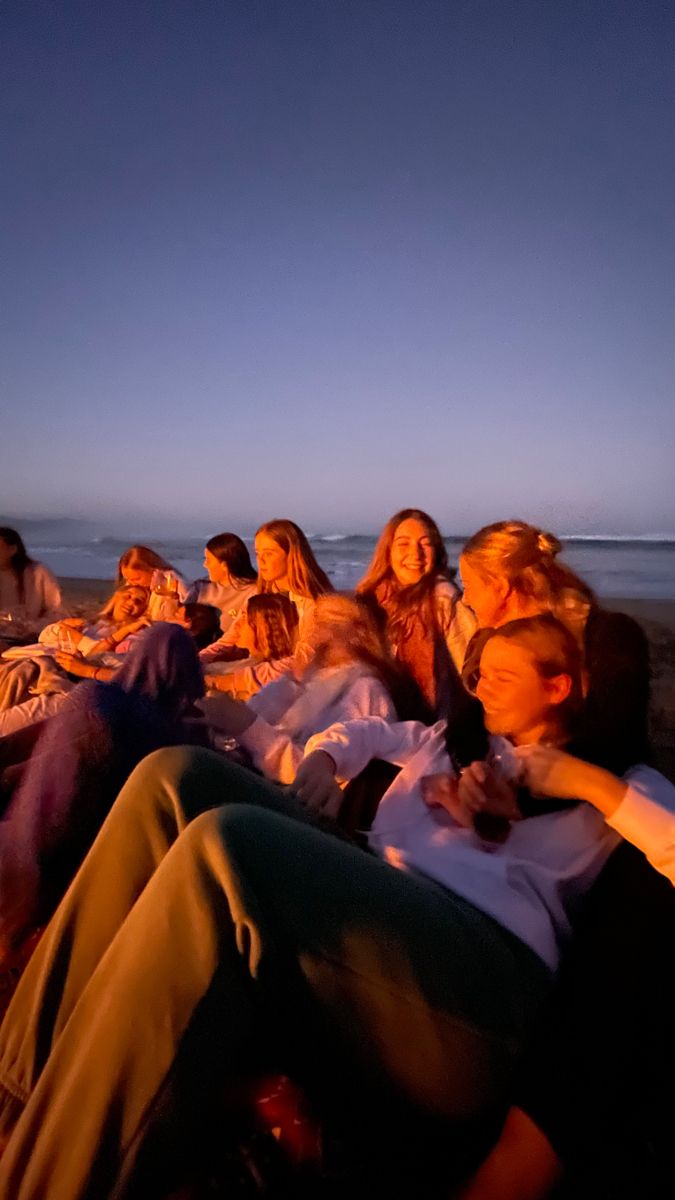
83, 597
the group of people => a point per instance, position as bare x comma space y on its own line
404, 846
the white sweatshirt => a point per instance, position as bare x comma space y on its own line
532, 882
290, 711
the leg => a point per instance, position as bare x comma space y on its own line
255, 926
165, 792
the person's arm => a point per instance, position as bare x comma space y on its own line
75, 665
352, 744
227, 646
640, 807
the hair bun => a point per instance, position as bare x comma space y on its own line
548, 544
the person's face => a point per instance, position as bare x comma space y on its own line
216, 570
516, 699
129, 605
272, 560
7, 553
412, 552
137, 576
483, 594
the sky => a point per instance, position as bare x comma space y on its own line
328, 259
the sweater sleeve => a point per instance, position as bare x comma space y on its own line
272, 751
352, 744
646, 818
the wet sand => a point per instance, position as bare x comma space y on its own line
84, 597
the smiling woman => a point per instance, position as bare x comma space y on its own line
410, 584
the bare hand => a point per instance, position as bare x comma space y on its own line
72, 663
228, 716
482, 789
125, 631
220, 683
552, 772
315, 784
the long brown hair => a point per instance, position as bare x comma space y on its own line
142, 558
527, 557
380, 584
274, 621
305, 576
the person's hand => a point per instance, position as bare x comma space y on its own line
482, 789
551, 772
228, 716
315, 784
70, 634
442, 791
220, 683
72, 622
73, 664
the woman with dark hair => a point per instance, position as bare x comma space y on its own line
81, 760
29, 594
239, 936
232, 578
410, 584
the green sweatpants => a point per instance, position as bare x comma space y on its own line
209, 932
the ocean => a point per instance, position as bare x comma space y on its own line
635, 568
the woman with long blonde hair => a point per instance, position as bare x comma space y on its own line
409, 583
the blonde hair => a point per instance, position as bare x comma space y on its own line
349, 620
109, 606
305, 576
274, 621
526, 556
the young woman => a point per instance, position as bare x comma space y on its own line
409, 583
593, 1098
269, 633
350, 674
286, 564
414, 985
29, 594
232, 579
121, 617
511, 570
143, 566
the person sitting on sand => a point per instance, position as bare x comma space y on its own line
412, 974
286, 564
27, 669
29, 595
349, 674
269, 633
410, 584
232, 578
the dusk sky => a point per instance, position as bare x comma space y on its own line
326, 259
